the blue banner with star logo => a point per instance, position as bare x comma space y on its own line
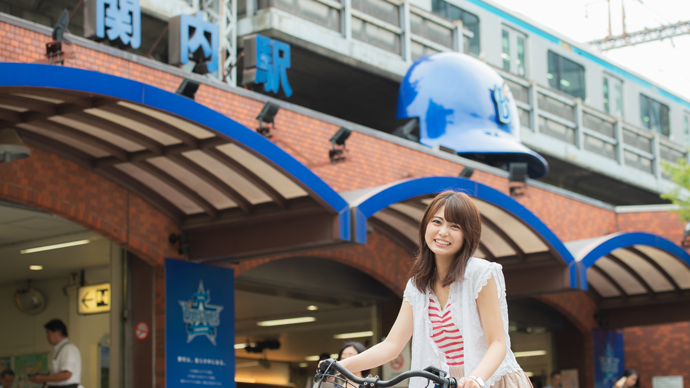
609, 359
199, 325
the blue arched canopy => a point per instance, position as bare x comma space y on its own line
212, 175
623, 265
511, 234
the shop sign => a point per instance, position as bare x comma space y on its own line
266, 62
609, 363
569, 379
199, 325
114, 20
141, 331
667, 382
93, 299
193, 37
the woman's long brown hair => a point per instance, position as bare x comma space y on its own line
460, 210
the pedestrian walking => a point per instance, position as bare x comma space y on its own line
7, 378
447, 293
629, 379
351, 349
555, 380
65, 369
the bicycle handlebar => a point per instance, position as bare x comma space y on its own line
431, 374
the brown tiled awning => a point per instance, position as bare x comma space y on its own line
200, 168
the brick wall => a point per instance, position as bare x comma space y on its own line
380, 258
59, 186
665, 224
660, 350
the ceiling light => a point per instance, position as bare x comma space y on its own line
529, 374
303, 365
334, 356
288, 321
359, 334
312, 358
35, 267
312, 308
240, 346
56, 246
530, 353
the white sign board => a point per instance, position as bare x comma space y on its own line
399, 365
667, 382
93, 299
569, 378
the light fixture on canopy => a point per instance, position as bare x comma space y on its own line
12, 147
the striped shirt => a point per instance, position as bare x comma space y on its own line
446, 333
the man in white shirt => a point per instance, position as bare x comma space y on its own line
7, 378
555, 380
65, 370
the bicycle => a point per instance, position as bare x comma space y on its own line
325, 380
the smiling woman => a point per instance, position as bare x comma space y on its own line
447, 293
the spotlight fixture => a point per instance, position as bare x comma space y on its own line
35, 267
181, 240
11, 146
466, 172
188, 88
686, 236
409, 131
55, 49
260, 346
337, 154
267, 115
517, 178
312, 307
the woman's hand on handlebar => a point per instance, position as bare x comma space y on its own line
464, 382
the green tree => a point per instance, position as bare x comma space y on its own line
680, 175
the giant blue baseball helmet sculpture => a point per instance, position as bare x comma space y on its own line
463, 104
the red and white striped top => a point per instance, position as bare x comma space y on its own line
446, 333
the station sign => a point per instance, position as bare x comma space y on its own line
94, 299
266, 62
118, 21
193, 37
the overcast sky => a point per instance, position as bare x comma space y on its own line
666, 62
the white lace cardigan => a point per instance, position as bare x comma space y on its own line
465, 313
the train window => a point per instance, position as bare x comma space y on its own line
469, 21
505, 54
513, 51
654, 115
613, 95
566, 75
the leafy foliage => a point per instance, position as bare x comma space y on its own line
680, 174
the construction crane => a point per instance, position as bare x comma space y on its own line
644, 36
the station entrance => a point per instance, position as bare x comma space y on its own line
53, 268
334, 302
